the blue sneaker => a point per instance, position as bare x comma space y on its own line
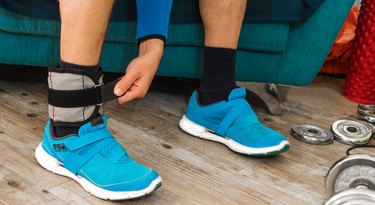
234, 124
97, 162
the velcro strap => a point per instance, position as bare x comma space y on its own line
234, 112
106, 91
74, 98
84, 97
75, 160
88, 139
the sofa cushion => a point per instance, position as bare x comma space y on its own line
254, 36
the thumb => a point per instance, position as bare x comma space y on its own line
124, 84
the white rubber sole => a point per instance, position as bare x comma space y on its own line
199, 131
51, 164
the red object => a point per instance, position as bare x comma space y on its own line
360, 82
337, 61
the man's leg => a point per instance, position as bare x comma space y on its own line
76, 142
222, 24
218, 111
83, 28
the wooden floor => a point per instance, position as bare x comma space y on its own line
194, 171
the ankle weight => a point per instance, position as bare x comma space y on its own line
75, 96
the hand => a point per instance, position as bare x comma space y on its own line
140, 71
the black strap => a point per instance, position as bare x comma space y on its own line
358, 147
107, 91
84, 97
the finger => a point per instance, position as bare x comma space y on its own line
131, 94
125, 83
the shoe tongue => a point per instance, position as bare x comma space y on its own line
237, 93
95, 124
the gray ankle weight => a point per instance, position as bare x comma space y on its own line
75, 96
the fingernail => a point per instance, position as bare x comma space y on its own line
118, 91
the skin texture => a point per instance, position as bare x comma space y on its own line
83, 27
222, 22
84, 24
140, 71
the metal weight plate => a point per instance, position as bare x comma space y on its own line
312, 134
353, 171
366, 107
352, 132
353, 197
367, 115
373, 128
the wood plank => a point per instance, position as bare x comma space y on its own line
20, 159
194, 171
17, 189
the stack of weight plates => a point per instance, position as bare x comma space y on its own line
366, 112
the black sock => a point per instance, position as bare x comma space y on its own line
218, 78
61, 131
93, 69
